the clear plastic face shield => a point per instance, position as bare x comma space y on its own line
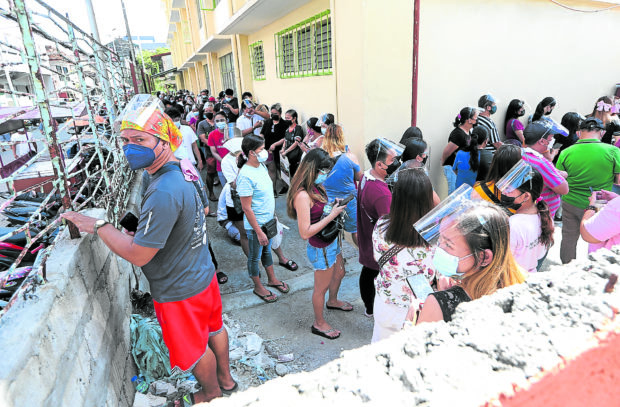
518, 175
233, 145
389, 145
138, 111
413, 164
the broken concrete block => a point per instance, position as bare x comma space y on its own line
148, 400
253, 343
281, 369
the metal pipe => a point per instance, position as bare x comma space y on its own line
131, 50
416, 62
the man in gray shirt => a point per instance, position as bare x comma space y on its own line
171, 246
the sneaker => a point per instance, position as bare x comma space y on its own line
368, 315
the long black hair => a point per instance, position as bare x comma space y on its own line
465, 114
504, 159
413, 148
412, 198
250, 143
477, 138
540, 108
514, 107
535, 187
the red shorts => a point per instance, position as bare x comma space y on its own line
211, 165
186, 326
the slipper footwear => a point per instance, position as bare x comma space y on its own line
282, 287
231, 390
346, 307
266, 297
290, 265
222, 278
324, 334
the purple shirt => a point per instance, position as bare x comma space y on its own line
373, 201
512, 126
551, 178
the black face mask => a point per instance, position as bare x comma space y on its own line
424, 160
509, 202
392, 167
275, 117
209, 115
521, 112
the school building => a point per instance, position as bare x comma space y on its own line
380, 66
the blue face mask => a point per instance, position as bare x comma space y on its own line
140, 156
221, 125
323, 130
493, 109
320, 178
447, 264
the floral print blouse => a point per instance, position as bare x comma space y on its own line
391, 283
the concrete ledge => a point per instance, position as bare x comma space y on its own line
493, 345
69, 345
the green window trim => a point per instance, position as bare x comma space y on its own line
208, 5
305, 49
257, 61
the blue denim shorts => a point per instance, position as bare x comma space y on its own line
324, 258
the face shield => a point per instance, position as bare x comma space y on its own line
233, 145
518, 175
389, 145
407, 165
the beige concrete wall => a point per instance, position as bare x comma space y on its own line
513, 49
310, 96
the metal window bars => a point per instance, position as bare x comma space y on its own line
83, 154
305, 49
257, 61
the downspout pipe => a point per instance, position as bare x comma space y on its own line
416, 62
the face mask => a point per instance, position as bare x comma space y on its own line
323, 130
521, 112
509, 202
424, 160
392, 167
262, 156
178, 124
228, 99
447, 264
548, 113
139, 156
275, 117
209, 116
221, 125
320, 178
493, 109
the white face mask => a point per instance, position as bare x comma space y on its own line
178, 124
262, 156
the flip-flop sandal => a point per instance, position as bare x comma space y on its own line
231, 390
212, 214
291, 265
282, 287
188, 400
346, 307
324, 334
266, 297
221, 277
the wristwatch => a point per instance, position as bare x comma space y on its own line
99, 224
591, 208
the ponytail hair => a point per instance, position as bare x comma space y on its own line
250, 143
535, 187
474, 159
540, 108
465, 114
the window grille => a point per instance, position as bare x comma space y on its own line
199, 12
227, 69
305, 49
257, 61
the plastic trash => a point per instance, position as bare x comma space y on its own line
141, 385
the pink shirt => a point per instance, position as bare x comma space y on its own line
605, 226
551, 178
216, 139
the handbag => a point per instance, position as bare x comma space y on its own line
330, 232
234, 195
385, 257
270, 228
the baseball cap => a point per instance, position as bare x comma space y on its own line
591, 123
535, 131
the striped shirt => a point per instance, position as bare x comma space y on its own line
492, 130
551, 178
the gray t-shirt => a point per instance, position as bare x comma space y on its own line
172, 219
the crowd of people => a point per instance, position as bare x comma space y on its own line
421, 256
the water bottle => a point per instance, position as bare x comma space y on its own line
141, 385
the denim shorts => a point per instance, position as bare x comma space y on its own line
324, 258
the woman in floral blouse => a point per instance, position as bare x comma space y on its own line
412, 198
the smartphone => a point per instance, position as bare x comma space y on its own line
420, 286
346, 200
130, 222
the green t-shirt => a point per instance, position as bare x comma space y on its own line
589, 163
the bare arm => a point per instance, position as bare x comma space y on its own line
431, 312
197, 155
302, 204
561, 189
215, 154
519, 134
359, 174
276, 144
118, 242
447, 151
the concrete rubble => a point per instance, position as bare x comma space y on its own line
492, 344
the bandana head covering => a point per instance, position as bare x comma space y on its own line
146, 113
